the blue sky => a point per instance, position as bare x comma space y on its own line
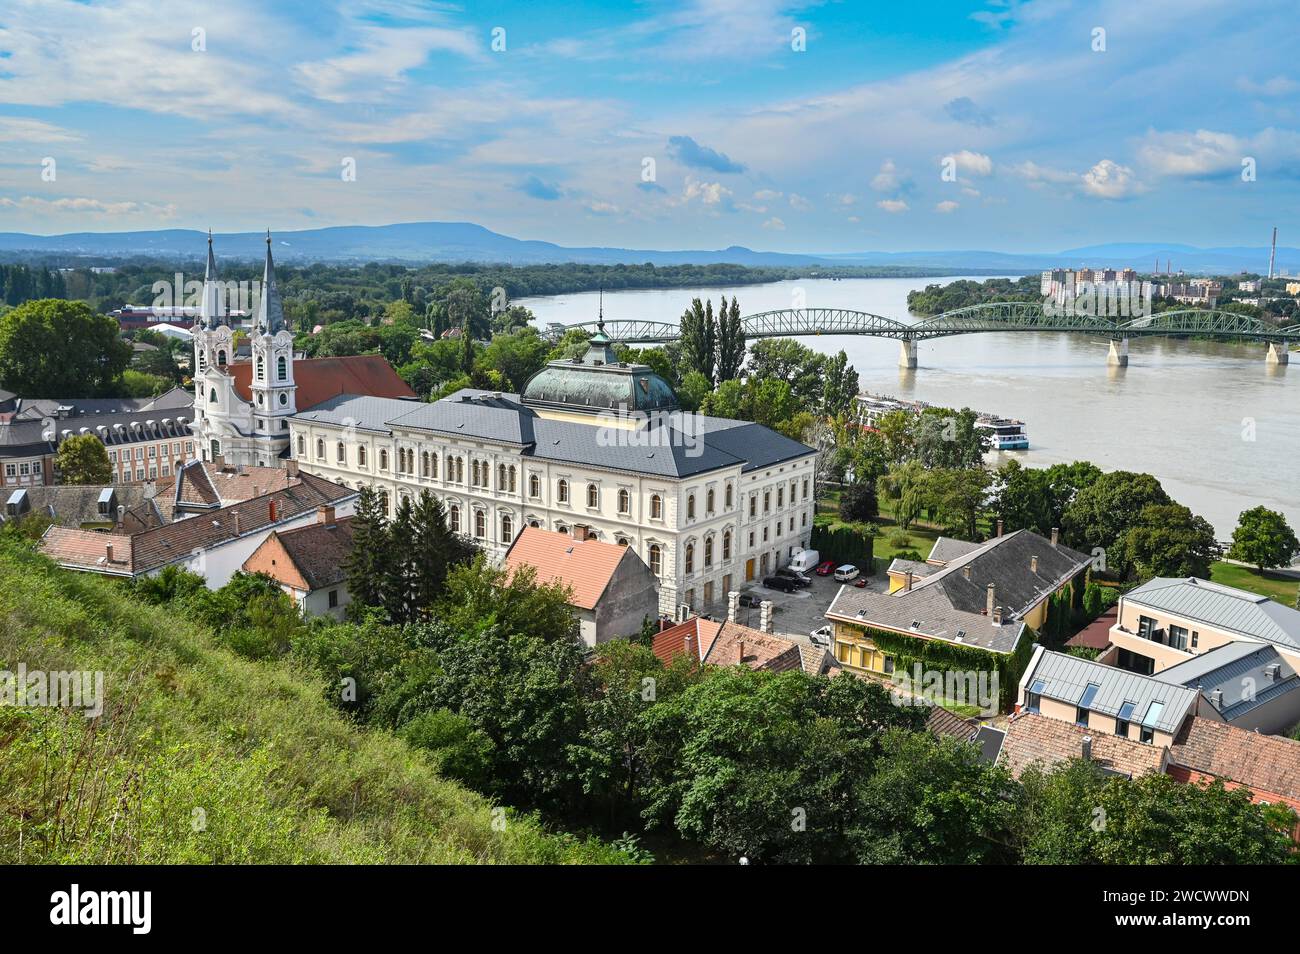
841, 145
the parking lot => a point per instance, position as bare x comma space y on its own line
804, 610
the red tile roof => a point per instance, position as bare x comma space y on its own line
315, 554
150, 549
670, 643
1096, 635
1266, 764
728, 644
585, 566
1033, 738
319, 379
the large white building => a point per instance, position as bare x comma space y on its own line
591, 447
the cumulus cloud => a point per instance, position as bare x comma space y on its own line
1200, 154
973, 163
690, 153
947, 205
799, 203
708, 193
888, 179
1110, 180
892, 206
774, 224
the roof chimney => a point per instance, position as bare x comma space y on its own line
270, 510
907, 581
1273, 672
965, 571
997, 616
237, 522
1086, 748
999, 526
291, 468
688, 644
1056, 535
988, 601
1216, 698
121, 515
1033, 564
742, 652
325, 515
108, 553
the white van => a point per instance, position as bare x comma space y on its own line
805, 561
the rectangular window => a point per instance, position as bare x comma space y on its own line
1034, 695
11, 470
1178, 637
1124, 718
1195, 637
1146, 626
334, 598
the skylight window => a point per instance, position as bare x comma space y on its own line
1153, 714
1126, 711
1089, 693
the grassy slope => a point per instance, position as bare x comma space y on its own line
1272, 585
203, 756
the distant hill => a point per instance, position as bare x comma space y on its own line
420, 242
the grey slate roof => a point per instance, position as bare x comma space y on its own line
946, 549
1239, 671
1224, 607
919, 568
671, 448
952, 600
1065, 677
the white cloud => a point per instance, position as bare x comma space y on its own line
20, 129
974, 163
1201, 153
767, 195
379, 60
1276, 86
888, 178
799, 203
709, 193
947, 205
81, 205
774, 224
892, 206
1110, 180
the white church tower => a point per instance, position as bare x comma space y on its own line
242, 410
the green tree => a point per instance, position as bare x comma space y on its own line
478, 596
1102, 513
731, 340
1170, 540
399, 583
369, 563
858, 503
82, 459
517, 355
55, 348
699, 333
1264, 539
839, 385
431, 552
785, 359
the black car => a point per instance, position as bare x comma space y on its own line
749, 599
795, 575
786, 584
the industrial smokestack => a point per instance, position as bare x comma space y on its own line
1272, 254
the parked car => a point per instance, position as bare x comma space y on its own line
749, 599
785, 584
821, 636
846, 572
860, 582
826, 568
795, 575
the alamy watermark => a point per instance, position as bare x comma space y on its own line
71, 689
932, 687
624, 427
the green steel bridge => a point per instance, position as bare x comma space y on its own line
993, 317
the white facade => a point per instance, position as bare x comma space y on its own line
701, 535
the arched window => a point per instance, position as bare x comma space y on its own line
383, 458
624, 501
708, 551
622, 541
320, 449
593, 495
424, 463
281, 368
534, 523
261, 368
433, 465
690, 507
302, 446
690, 558
656, 559
203, 360
501, 476
753, 505
780, 497
511, 473
480, 523
453, 518
729, 496
361, 455
534, 485
656, 507
221, 358
726, 545
708, 501
473, 472
340, 453
212, 397
562, 491
460, 470
805, 488
507, 528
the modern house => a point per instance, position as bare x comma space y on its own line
612, 591
308, 563
1166, 621
214, 545
984, 597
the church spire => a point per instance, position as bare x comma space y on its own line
212, 306
270, 310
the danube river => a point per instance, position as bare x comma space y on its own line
1216, 425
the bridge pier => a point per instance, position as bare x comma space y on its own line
907, 353
1277, 353
1118, 355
